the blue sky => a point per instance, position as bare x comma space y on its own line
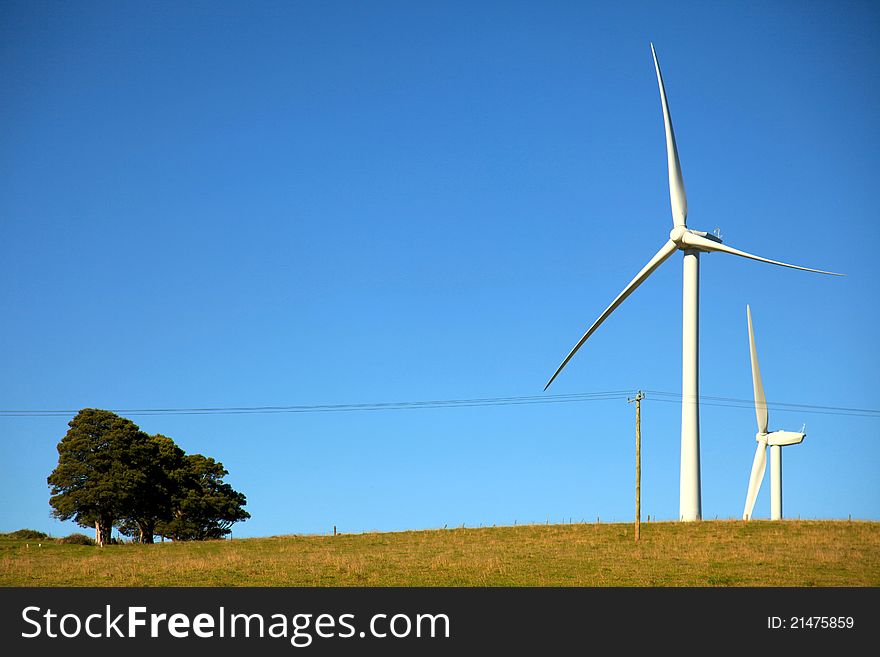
247, 204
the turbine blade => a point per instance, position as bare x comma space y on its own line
705, 244
760, 399
755, 479
677, 196
659, 258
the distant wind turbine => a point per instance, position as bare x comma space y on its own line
692, 242
775, 440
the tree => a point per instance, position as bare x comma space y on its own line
97, 475
205, 506
110, 473
160, 462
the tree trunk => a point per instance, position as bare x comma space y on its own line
146, 530
105, 528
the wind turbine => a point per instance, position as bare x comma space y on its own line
692, 243
775, 440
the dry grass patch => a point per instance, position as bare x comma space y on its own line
711, 553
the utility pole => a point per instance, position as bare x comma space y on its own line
638, 400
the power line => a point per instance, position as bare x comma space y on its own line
651, 395
732, 402
335, 408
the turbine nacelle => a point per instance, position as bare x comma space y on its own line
780, 438
688, 239
783, 438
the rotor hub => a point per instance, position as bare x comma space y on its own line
677, 235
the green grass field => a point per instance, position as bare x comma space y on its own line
711, 553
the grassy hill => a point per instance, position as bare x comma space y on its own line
712, 553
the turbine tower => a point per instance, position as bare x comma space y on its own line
776, 441
692, 243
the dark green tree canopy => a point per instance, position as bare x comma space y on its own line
98, 472
206, 506
159, 461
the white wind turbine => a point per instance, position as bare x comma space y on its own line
692, 242
775, 440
